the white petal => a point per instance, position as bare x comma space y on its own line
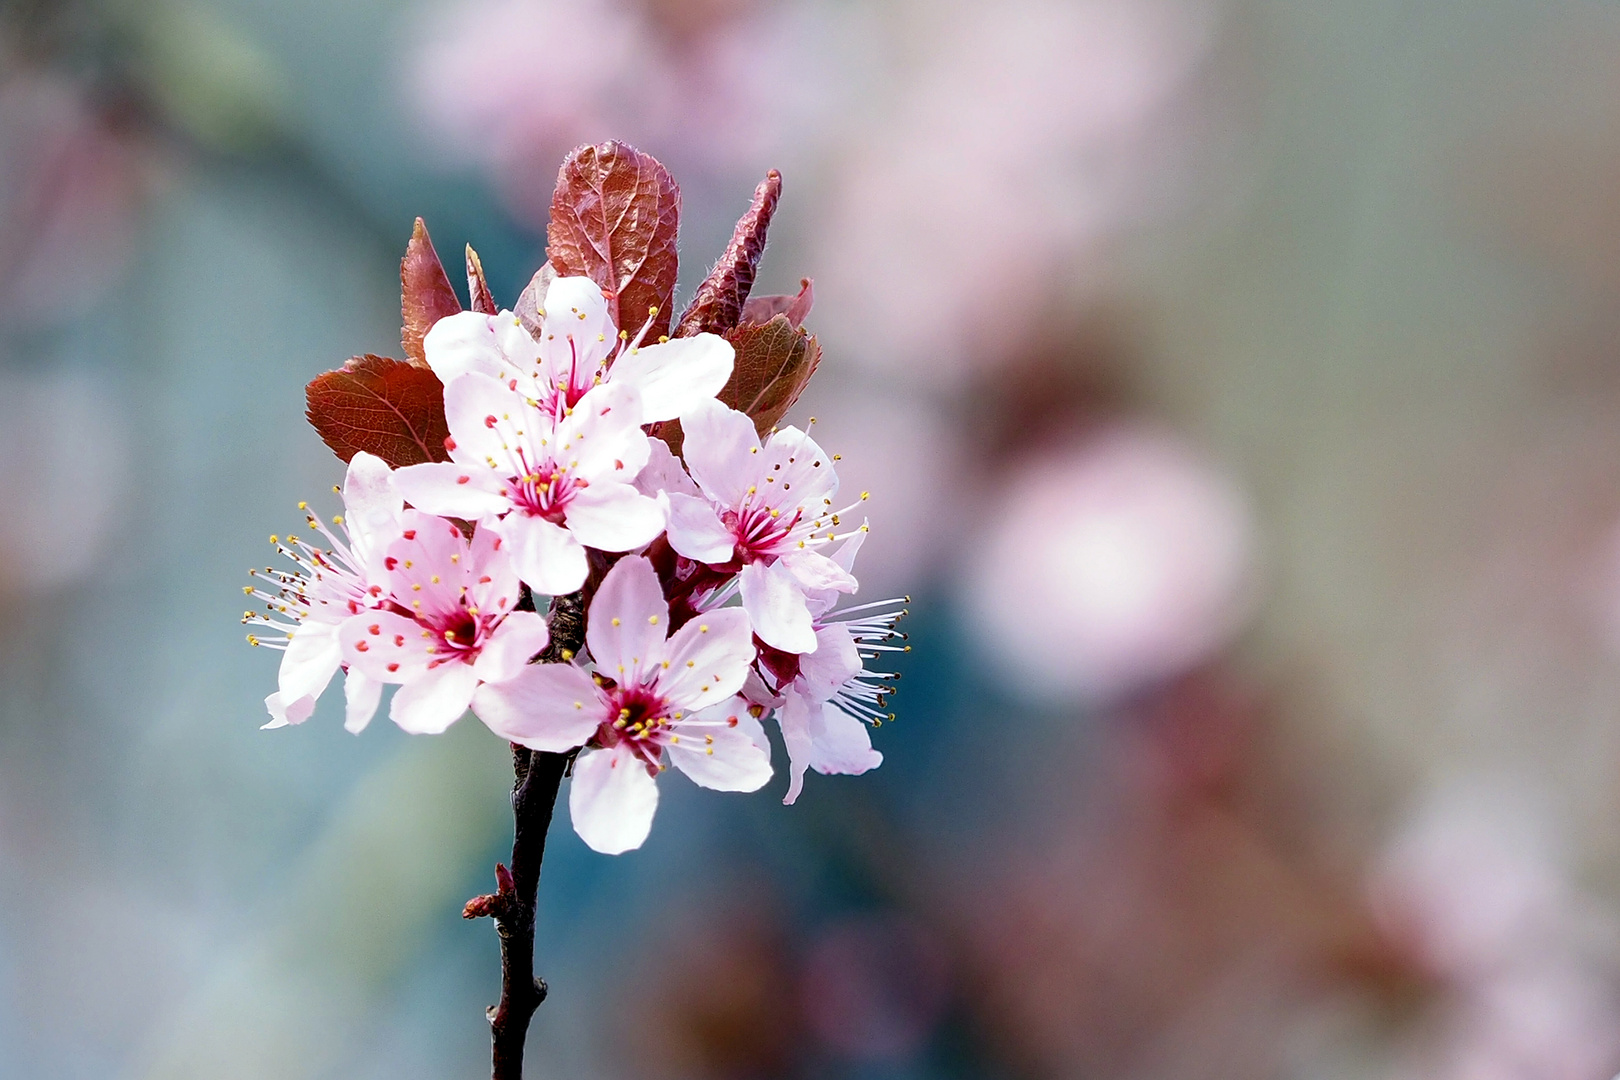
774, 600
282, 715
601, 438
834, 662
577, 334
708, 659
460, 343
675, 376
435, 699
628, 620
614, 517
451, 490
612, 800
719, 450
520, 636
696, 531
491, 578
470, 403
385, 646
551, 707
803, 469
723, 748
361, 696
310, 660
548, 557
794, 718
815, 571
840, 744
664, 472
371, 509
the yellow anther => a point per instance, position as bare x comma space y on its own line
247, 589
416, 587
337, 519
303, 506
838, 457
274, 539
568, 654
703, 628
652, 620
624, 714
434, 579
615, 620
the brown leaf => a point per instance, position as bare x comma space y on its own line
425, 295
774, 362
761, 309
718, 304
614, 219
477, 285
386, 407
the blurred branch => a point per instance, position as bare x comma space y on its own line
538, 776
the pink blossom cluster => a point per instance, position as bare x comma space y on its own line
713, 580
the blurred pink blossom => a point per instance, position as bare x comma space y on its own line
1009, 142
69, 190
1476, 886
1113, 564
720, 83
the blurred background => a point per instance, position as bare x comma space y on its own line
1238, 384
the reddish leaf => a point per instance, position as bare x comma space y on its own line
614, 219
762, 309
386, 407
477, 286
718, 304
425, 295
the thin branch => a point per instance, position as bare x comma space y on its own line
537, 778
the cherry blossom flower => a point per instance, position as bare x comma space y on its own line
763, 509
651, 696
575, 348
825, 699
449, 624
558, 480
329, 586
1112, 564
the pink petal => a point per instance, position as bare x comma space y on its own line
552, 707
614, 517
664, 472
612, 800
775, 603
385, 646
548, 557
628, 621
708, 659
361, 697
677, 375
432, 701
834, 662
451, 490
520, 636
723, 748
461, 343
696, 531
719, 450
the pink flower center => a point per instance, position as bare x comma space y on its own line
457, 636
544, 493
757, 532
640, 720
